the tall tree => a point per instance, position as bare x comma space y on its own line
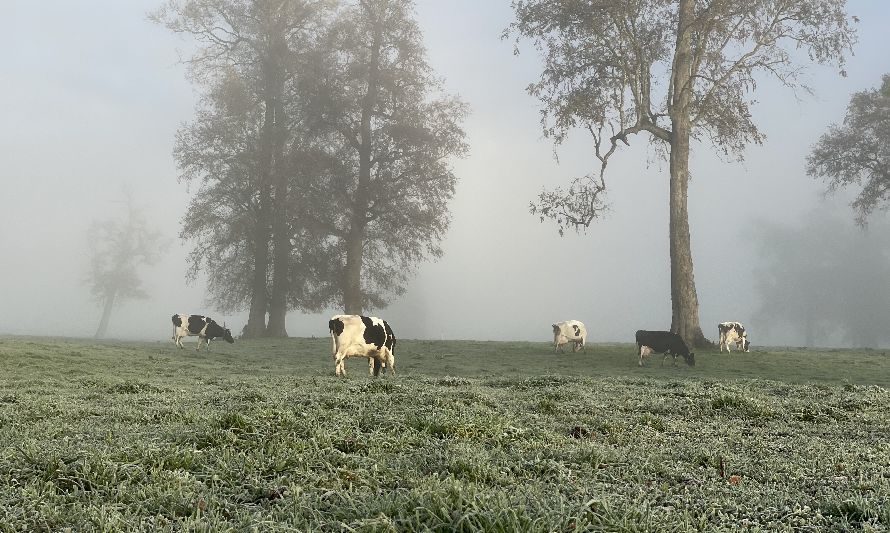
679, 70
118, 248
228, 215
858, 152
391, 136
263, 40
226, 219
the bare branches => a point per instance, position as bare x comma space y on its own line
574, 208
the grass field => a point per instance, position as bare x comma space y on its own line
495, 436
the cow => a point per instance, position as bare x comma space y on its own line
733, 332
362, 336
569, 331
663, 342
203, 326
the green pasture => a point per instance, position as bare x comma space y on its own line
469, 436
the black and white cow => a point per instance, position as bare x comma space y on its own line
733, 332
202, 326
362, 336
663, 342
570, 331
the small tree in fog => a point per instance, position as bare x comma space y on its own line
391, 134
681, 71
857, 153
118, 248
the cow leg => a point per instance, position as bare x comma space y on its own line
640, 349
378, 362
390, 363
340, 365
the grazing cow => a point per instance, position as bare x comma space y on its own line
733, 332
663, 342
362, 336
569, 331
203, 326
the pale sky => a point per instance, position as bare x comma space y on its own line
92, 93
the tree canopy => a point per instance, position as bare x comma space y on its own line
321, 149
609, 69
391, 135
857, 153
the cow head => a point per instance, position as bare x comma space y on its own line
690, 359
227, 334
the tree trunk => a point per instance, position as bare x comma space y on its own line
281, 279
256, 320
259, 305
276, 137
106, 315
684, 300
352, 284
281, 235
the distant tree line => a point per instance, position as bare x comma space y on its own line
824, 280
318, 156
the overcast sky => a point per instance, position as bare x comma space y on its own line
92, 93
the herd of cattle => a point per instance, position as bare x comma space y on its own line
372, 337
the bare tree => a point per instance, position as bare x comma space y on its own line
118, 248
858, 152
679, 70
390, 137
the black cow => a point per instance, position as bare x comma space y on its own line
663, 342
202, 326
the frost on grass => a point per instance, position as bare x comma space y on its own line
228, 444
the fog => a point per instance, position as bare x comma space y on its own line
93, 93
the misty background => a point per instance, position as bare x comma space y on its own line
92, 94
